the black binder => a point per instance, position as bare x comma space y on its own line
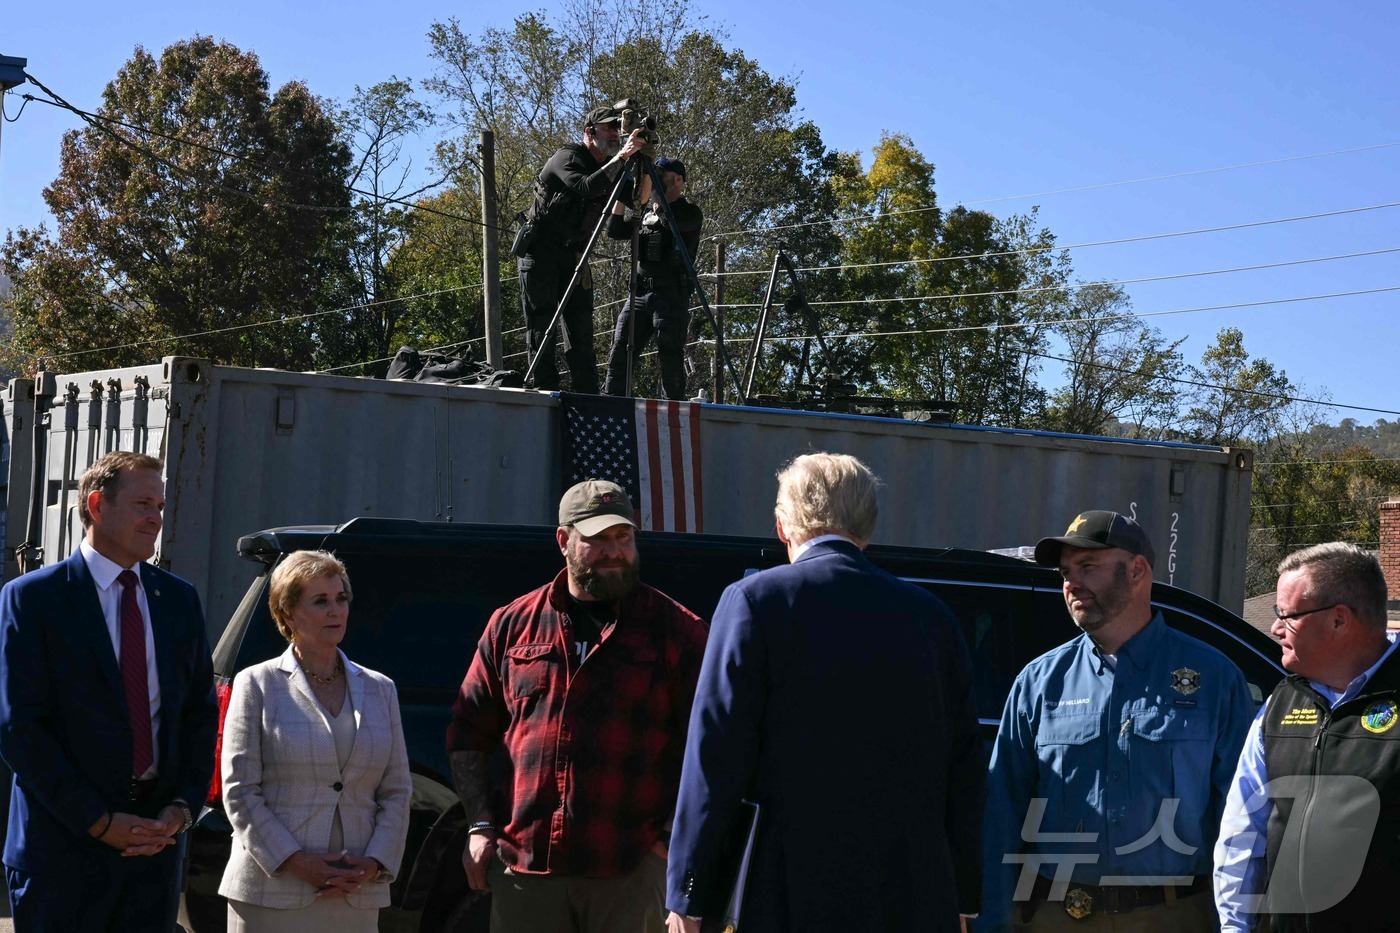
735, 860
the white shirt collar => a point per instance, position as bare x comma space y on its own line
820, 539
104, 570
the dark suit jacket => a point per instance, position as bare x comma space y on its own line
64, 729
839, 698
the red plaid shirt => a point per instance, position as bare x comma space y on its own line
593, 748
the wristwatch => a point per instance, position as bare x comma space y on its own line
184, 809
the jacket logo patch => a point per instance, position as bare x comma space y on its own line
1186, 681
1301, 717
1380, 716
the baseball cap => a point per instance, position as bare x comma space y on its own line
595, 505
666, 164
1097, 530
602, 115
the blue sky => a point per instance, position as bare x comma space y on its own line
1006, 98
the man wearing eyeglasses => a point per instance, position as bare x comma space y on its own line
1115, 751
1310, 839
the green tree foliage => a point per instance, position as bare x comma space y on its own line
235, 214
968, 297
377, 123
1305, 493
1119, 372
438, 269
1240, 399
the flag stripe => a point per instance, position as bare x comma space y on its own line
691, 440
648, 437
676, 416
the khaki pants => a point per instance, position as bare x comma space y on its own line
633, 903
1193, 914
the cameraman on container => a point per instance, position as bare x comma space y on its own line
569, 195
663, 281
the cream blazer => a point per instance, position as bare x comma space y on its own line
282, 781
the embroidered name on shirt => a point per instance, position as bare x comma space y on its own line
1055, 704
1301, 717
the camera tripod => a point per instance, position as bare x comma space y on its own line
658, 192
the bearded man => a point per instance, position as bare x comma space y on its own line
1115, 754
569, 199
585, 686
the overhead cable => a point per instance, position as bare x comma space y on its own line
754, 231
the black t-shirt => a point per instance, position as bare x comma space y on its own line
590, 620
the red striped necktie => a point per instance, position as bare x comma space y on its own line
133, 661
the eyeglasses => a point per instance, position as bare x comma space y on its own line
1285, 618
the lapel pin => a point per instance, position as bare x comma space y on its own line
157, 592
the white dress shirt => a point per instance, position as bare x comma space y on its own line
109, 593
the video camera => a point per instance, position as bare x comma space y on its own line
634, 117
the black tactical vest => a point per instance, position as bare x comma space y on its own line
1334, 830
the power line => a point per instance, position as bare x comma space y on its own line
268, 323
754, 231
92, 118
1285, 505
1032, 250
1082, 285
1196, 384
1334, 462
1260, 545
1318, 525
1208, 385
1080, 320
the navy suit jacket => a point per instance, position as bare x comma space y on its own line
838, 698
64, 729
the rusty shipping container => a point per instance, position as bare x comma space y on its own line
248, 449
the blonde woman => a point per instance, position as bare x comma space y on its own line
315, 773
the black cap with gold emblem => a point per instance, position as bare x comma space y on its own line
1097, 530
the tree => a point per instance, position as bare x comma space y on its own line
1239, 399
1118, 368
376, 123
226, 210
967, 296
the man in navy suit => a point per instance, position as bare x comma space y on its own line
107, 717
839, 699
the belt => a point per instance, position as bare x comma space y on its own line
1083, 900
141, 791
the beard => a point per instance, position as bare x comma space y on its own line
606, 582
1107, 605
610, 146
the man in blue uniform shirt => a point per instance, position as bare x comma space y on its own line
1115, 753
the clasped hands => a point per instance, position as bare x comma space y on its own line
133, 835
332, 874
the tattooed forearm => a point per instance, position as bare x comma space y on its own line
469, 770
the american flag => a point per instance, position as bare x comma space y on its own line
648, 447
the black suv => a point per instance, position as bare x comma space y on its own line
424, 592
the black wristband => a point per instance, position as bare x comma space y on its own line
105, 826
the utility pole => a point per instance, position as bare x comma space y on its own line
718, 367
491, 253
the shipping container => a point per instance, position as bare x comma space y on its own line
249, 449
